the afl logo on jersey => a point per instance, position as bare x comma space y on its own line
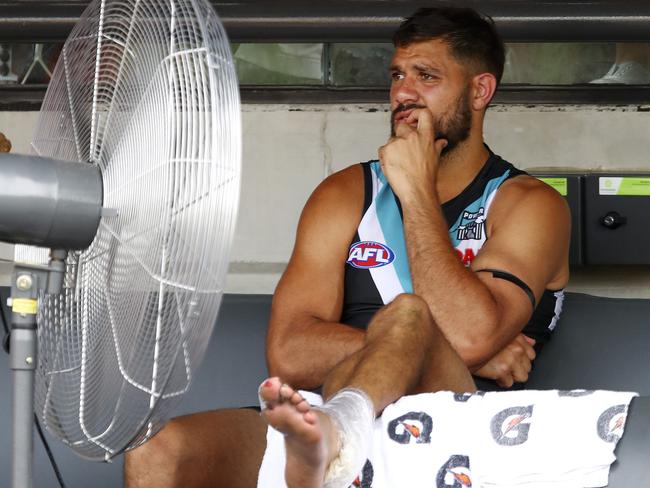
370, 254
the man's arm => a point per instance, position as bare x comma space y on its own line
528, 229
481, 314
305, 339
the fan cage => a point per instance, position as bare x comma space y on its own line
146, 90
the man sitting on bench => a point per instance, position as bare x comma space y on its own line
409, 274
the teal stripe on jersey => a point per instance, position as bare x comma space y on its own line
391, 225
491, 187
376, 168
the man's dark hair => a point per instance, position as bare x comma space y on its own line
472, 37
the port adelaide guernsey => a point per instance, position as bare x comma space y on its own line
377, 268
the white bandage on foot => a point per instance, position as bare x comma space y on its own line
353, 415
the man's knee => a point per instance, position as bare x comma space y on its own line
409, 302
407, 316
160, 457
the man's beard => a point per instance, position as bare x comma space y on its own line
454, 127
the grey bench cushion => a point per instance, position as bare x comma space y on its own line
600, 343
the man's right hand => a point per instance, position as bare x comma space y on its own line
512, 364
410, 159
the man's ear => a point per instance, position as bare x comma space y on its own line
483, 87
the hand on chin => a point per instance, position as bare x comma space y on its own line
410, 159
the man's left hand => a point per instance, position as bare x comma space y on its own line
512, 364
410, 159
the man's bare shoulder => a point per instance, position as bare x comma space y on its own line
526, 183
530, 224
528, 194
334, 210
343, 190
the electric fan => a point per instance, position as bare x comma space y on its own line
133, 186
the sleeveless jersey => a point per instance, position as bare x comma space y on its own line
377, 269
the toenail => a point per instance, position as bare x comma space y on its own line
268, 383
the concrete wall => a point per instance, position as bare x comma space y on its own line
288, 150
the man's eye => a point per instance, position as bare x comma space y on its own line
395, 76
427, 76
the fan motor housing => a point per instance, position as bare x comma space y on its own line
49, 203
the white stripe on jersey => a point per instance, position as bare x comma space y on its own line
384, 277
559, 300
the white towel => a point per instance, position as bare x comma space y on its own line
547, 437
407, 448
519, 439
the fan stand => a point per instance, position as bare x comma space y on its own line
49, 199
26, 284
23, 365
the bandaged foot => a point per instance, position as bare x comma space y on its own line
325, 447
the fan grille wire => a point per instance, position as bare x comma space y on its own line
146, 90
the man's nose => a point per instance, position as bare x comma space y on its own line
406, 92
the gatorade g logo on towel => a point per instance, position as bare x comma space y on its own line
412, 425
611, 423
574, 393
508, 427
364, 480
463, 397
370, 254
455, 473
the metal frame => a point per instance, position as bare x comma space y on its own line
29, 98
366, 21
506, 94
361, 20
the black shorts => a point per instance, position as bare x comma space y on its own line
253, 407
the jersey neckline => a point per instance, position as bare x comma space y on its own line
491, 160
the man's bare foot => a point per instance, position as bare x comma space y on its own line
310, 437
